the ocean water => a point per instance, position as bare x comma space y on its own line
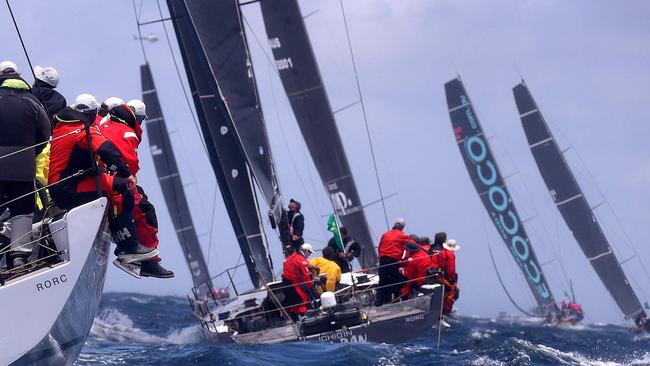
152, 330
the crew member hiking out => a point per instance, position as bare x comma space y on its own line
124, 130
327, 266
296, 224
104, 109
75, 176
297, 283
24, 125
415, 269
443, 258
47, 78
391, 253
345, 257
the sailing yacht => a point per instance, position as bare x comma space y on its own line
497, 200
575, 209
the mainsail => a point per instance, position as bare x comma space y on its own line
296, 64
221, 34
489, 184
172, 185
573, 206
226, 154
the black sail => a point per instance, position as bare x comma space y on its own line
489, 184
226, 154
573, 206
172, 185
296, 64
221, 34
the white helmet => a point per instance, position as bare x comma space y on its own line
139, 108
307, 247
113, 102
47, 75
9, 66
85, 103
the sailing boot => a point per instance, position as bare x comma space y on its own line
21, 246
152, 268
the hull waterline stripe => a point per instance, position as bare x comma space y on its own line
568, 200
528, 113
541, 142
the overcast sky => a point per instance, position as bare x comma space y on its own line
585, 62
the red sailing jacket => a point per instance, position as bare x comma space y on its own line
296, 270
445, 260
392, 244
69, 147
416, 266
126, 140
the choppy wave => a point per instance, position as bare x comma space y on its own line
151, 330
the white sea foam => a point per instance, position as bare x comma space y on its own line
563, 358
476, 333
486, 361
114, 326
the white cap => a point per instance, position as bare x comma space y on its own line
8, 65
113, 102
138, 107
307, 247
85, 103
451, 244
400, 222
47, 75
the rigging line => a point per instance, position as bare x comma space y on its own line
271, 64
137, 21
180, 79
363, 109
496, 270
22, 43
214, 205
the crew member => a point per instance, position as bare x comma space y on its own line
75, 176
25, 130
443, 258
296, 222
297, 282
47, 78
351, 250
104, 109
124, 131
414, 269
391, 253
328, 266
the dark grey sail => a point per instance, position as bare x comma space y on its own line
489, 184
221, 34
573, 206
226, 154
172, 185
296, 64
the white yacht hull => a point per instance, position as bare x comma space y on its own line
45, 316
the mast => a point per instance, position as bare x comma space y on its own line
226, 154
574, 207
221, 34
489, 184
172, 185
296, 64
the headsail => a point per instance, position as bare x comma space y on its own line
573, 206
224, 149
221, 34
489, 184
296, 63
172, 185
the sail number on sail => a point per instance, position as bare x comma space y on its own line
283, 63
502, 213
